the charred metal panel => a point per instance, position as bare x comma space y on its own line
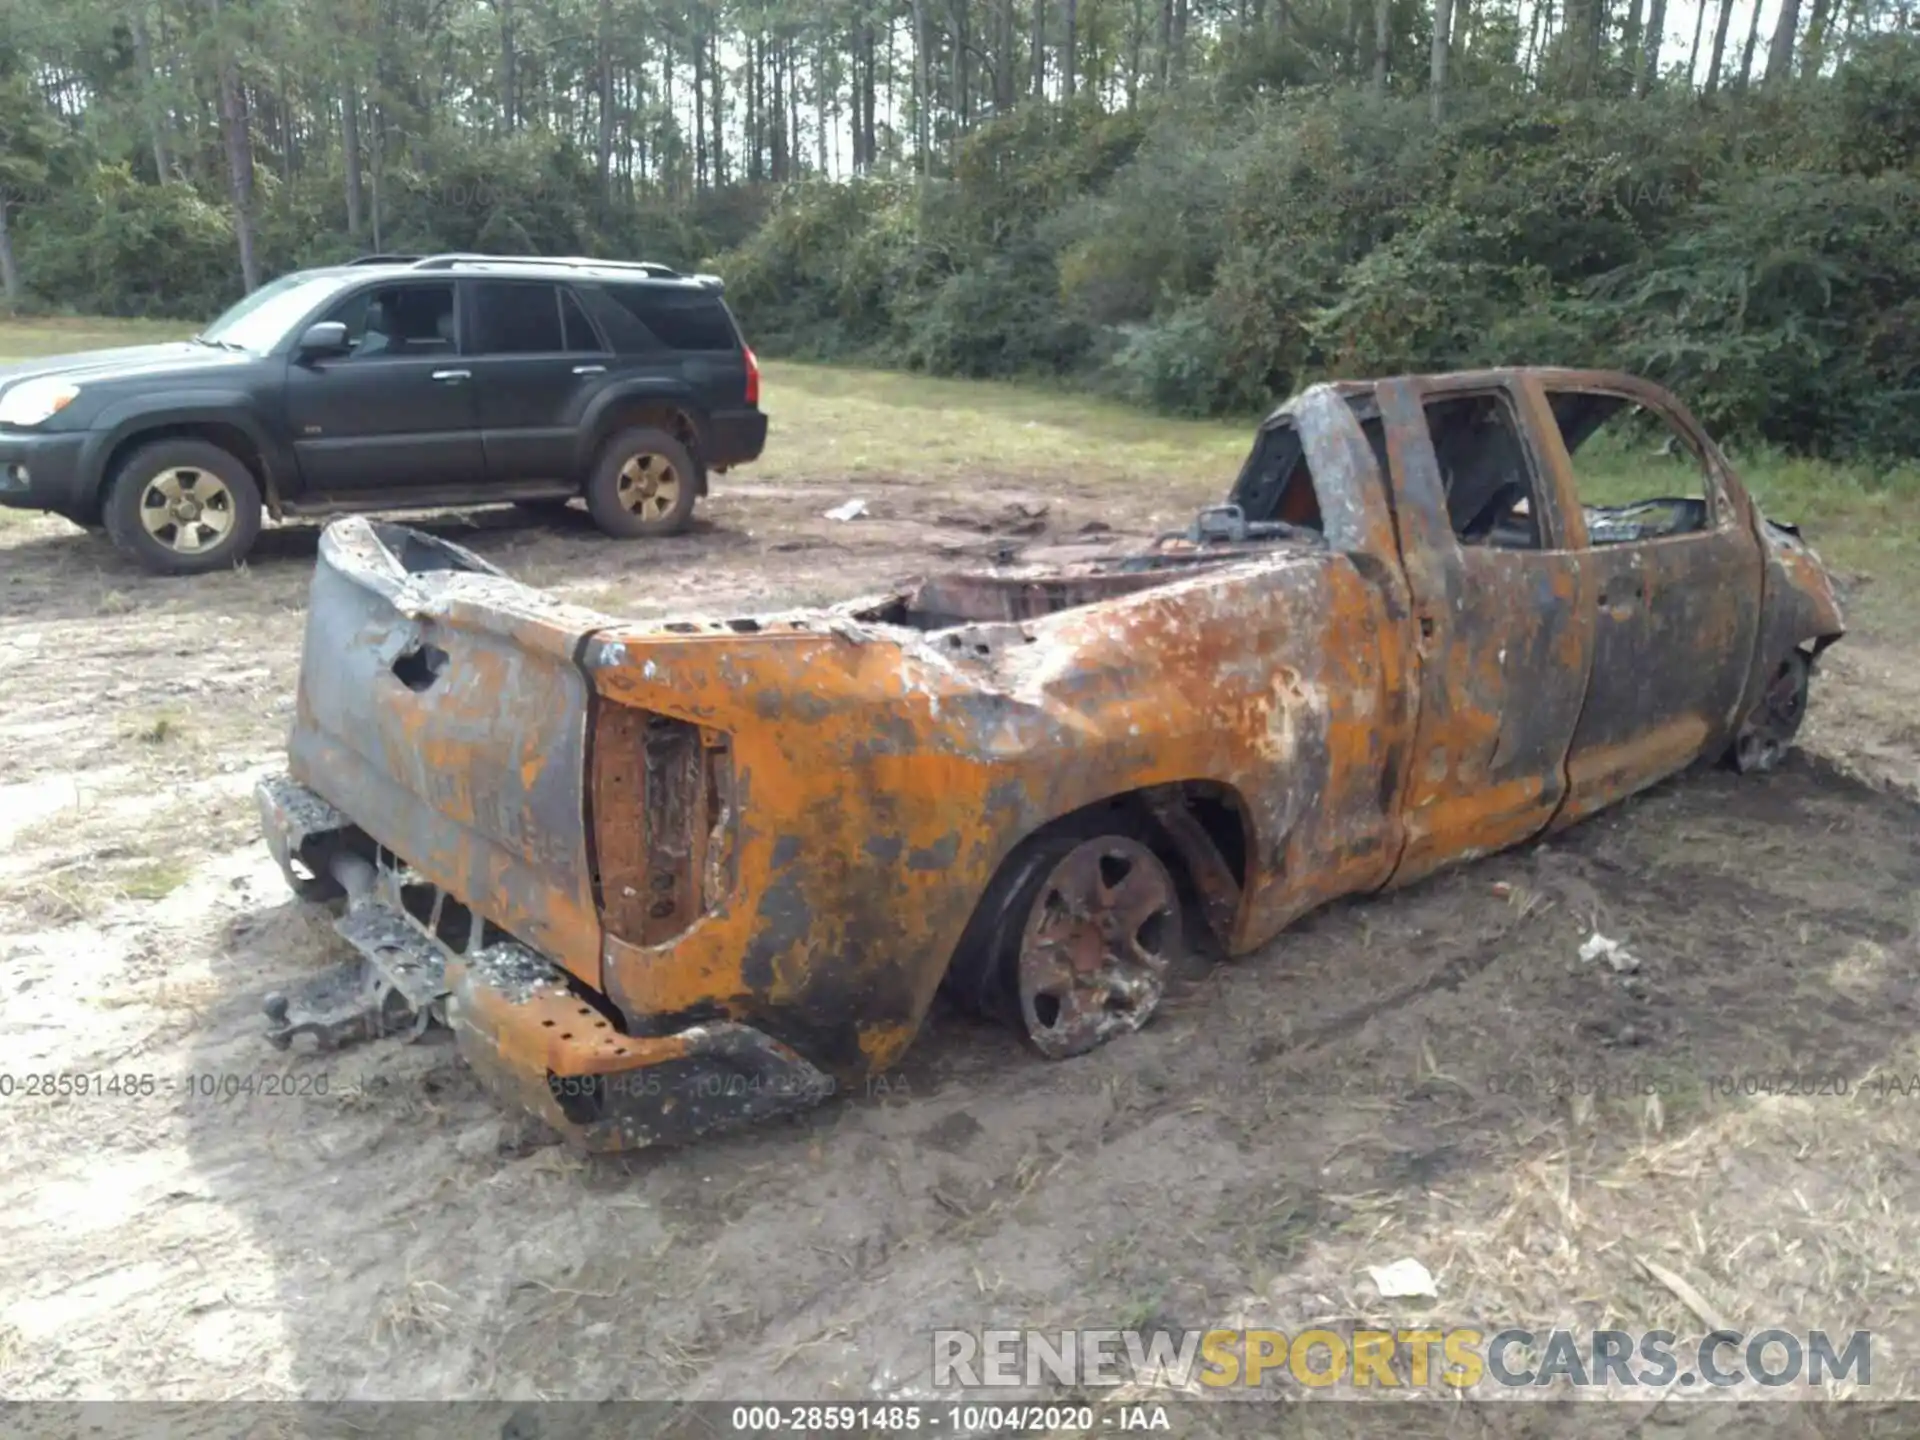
1676, 620
440, 708
1504, 640
1798, 608
882, 775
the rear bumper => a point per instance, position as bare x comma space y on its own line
734, 437
538, 1038
44, 472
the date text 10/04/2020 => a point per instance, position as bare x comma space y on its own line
905, 1417
71, 1085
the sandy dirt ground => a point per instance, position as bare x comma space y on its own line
1401, 1076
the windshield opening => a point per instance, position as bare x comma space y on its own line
258, 321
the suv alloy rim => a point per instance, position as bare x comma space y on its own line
649, 485
187, 509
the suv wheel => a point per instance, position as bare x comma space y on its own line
183, 507
644, 484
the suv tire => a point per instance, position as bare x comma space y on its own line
183, 507
643, 485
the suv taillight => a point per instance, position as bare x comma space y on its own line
753, 376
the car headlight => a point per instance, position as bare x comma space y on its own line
32, 401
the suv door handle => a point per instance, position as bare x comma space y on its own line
589, 369
448, 377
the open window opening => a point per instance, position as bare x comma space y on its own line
1486, 471
1639, 476
1276, 483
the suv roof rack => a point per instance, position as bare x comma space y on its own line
383, 260
575, 262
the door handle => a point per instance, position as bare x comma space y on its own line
448, 377
589, 369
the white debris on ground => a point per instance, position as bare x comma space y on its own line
1616, 954
852, 510
1404, 1280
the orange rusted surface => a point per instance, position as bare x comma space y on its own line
758, 847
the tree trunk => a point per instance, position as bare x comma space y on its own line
1039, 48
234, 130
350, 156
750, 79
1780, 52
150, 90
1006, 84
1699, 29
1135, 42
1746, 51
1814, 52
1437, 75
1382, 43
716, 87
1649, 66
289, 146
9, 271
699, 112
922, 88
869, 84
1719, 45
1180, 16
795, 162
603, 151
1630, 43
1070, 24
1166, 42
509, 85
820, 108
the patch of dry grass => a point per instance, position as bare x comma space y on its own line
27, 338
861, 423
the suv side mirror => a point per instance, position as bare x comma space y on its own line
329, 337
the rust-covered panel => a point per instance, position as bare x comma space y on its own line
440, 708
1505, 639
730, 862
1676, 618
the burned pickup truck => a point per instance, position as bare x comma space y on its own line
660, 877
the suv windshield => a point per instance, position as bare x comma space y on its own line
263, 317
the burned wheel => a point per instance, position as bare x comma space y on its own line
1101, 932
1768, 731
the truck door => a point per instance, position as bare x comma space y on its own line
1505, 618
1676, 603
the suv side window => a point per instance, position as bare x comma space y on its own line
516, 317
678, 318
1638, 473
576, 330
398, 322
1486, 471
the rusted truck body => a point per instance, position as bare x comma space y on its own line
665, 876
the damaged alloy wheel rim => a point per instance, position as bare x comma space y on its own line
1097, 946
187, 509
649, 486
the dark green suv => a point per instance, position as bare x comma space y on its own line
393, 382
